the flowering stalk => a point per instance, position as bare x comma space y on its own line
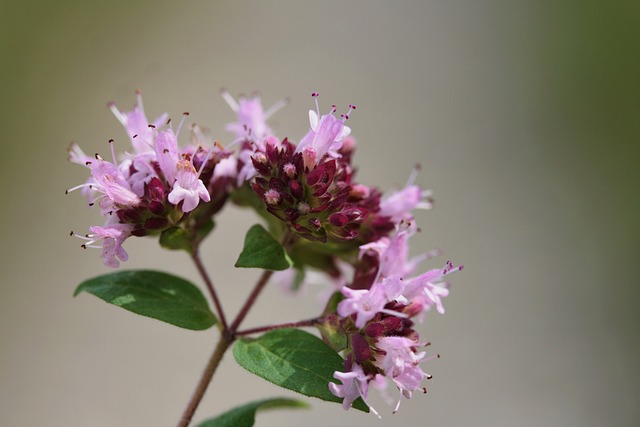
320, 221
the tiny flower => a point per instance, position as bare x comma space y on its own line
326, 134
366, 303
110, 181
112, 236
355, 384
272, 197
399, 361
139, 171
166, 148
188, 188
137, 125
251, 117
428, 289
398, 205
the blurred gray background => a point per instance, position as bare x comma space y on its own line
524, 116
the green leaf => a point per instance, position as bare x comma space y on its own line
175, 238
262, 251
153, 294
295, 360
245, 415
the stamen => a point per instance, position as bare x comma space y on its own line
315, 98
276, 107
229, 99
184, 117
414, 174
371, 408
204, 162
139, 99
345, 117
121, 117
77, 187
113, 152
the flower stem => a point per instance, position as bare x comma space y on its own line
228, 333
300, 324
264, 278
195, 255
205, 380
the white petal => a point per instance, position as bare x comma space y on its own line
345, 132
313, 120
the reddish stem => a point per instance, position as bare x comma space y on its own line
205, 380
300, 324
214, 295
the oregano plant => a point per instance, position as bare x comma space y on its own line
312, 215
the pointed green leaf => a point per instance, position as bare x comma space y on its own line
262, 251
295, 360
244, 416
153, 294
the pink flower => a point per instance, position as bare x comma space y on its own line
326, 134
139, 171
366, 303
393, 252
251, 117
355, 384
109, 180
428, 289
112, 237
188, 188
137, 125
398, 205
166, 147
399, 361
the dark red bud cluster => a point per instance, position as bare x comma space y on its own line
317, 203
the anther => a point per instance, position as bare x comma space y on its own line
152, 126
184, 117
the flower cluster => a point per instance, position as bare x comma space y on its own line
376, 321
308, 193
155, 187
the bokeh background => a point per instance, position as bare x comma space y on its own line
525, 118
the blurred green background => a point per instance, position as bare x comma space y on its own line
525, 118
